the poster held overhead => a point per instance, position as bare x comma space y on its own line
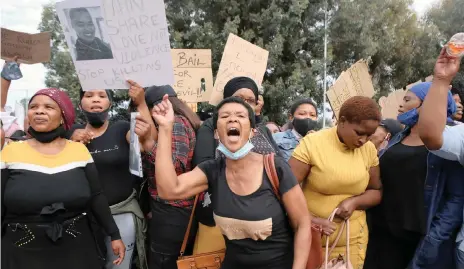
113, 41
193, 74
240, 58
30, 48
356, 81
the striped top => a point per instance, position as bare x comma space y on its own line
36, 186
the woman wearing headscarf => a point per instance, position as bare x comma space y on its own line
209, 237
423, 195
339, 169
50, 186
259, 230
109, 144
169, 219
303, 116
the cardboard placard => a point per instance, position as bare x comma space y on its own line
193, 74
240, 58
356, 81
113, 41
30, 48
390, 104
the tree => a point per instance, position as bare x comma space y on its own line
60, 70
285, 28
386, 32
447, 16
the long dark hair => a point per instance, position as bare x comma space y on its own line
180, 108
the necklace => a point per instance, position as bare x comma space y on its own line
90, 47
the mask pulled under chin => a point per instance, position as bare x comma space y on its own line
239, 154
409, 118
96, 119
303, 126
47, 137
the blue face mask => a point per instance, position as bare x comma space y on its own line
239, 154
409, 118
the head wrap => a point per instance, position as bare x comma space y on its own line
109, 93
63, 101
392, 126
238, 83
154, 94
422, 89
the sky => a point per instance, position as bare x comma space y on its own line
24, 16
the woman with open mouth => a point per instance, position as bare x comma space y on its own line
209, 237
50, 186
109, 144
259, 231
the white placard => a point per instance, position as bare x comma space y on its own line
111, 41
135, 158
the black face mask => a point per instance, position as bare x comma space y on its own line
303, 126
47, 137
96, 119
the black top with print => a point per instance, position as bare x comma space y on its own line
110, 152
255, 226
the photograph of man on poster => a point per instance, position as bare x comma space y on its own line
87, 45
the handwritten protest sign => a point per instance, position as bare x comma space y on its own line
193, 74
356, 81
112, 41
240, 58
30, 48
390, 104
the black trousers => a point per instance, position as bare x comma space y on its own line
390, 250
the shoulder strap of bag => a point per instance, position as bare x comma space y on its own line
269, 166
187, 233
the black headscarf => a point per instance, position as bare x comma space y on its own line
238, 83
154, 94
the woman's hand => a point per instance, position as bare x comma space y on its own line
327, 226
83, 136
163, 113
142, 129
446, 67
119, 250
136, 93
346, 208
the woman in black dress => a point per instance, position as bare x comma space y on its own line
260, 232
49, 187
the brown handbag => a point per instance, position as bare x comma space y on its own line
210, 260
315, 259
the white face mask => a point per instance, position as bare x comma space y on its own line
239, 154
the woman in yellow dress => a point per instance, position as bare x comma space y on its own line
339, 169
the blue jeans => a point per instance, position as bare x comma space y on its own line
459, 257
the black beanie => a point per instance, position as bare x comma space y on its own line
238, 83
154, 94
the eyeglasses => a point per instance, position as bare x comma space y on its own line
250, 101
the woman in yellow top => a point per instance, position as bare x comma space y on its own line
339, 169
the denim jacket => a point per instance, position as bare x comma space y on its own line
444, 200
287, 142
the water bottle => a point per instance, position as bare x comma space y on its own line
455, 46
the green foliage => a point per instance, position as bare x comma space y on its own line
282, 27
448, 16
401, 47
